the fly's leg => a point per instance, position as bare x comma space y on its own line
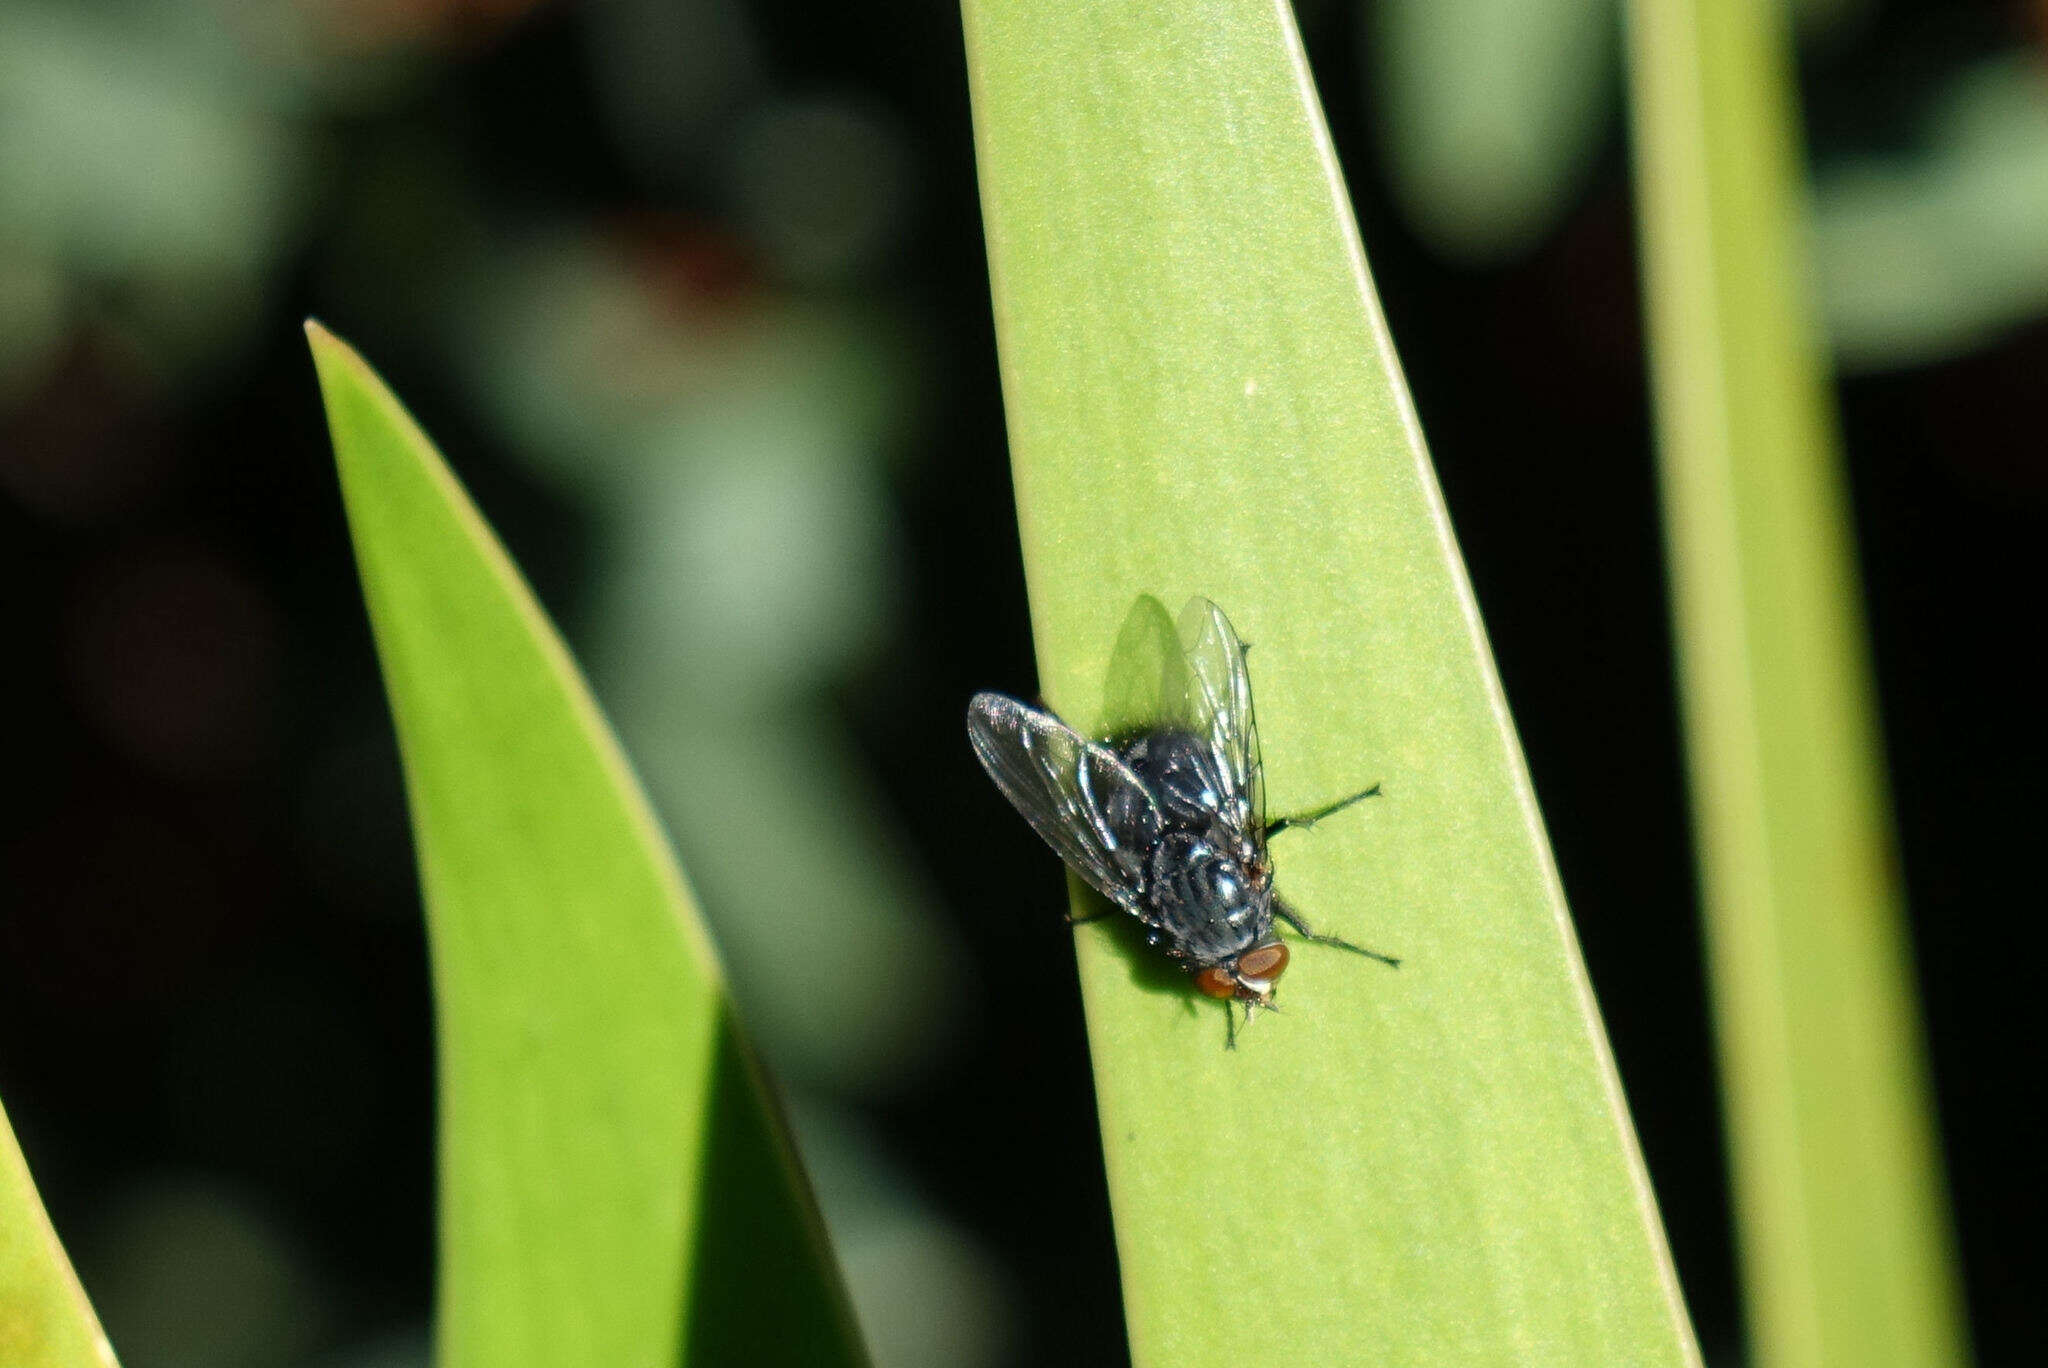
1073, 920
1286, 914
1309, 819
1251, 1009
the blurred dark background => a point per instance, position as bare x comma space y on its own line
692, 294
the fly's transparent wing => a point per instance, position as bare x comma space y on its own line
1085, 802
1218, 705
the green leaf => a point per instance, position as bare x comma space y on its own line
615, 1185
1838, 1186
45, 1320
1420, 1166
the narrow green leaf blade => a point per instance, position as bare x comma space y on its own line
1845, 1244
1425, 1166
45, 1320
615, 1187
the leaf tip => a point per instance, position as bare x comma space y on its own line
324, 344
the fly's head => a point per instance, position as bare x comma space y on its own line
1247, 976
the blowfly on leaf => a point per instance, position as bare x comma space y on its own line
1165, 815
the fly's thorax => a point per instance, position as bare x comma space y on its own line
1208, 897
1182, 773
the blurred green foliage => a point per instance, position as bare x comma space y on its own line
162, 168
1933, 250
1491, 114
1847, 1253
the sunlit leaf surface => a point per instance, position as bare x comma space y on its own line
45, 1320
615, 1188
1424, 1166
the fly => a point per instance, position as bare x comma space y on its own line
1165, 815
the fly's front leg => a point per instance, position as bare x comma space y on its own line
1286, 914
1309, 819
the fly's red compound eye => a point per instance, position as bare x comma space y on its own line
1217, 982
1263, 962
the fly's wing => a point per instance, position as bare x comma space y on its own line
1085, 802
1218, 706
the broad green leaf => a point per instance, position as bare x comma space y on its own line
45, 1320
615, 1185
1838, 1186
1424, 1166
